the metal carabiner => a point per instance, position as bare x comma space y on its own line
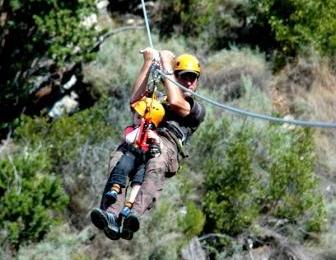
154, 74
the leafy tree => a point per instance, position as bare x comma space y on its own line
298, 24
284, 28
32, 33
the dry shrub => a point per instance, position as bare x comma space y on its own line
328, 238
159, 237
279, 102
118, 62
276, 246
84, 180
307, 90
306, 87
322, 103
7, 146
224, 72
61, 243
116, 66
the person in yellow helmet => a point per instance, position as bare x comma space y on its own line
183, 115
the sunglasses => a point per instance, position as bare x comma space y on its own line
188, 76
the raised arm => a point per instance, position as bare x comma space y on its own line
175, 96
139, 87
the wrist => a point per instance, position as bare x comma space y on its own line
168, 71
168, 77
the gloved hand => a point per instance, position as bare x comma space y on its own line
154, 150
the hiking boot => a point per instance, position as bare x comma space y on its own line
106, 221
126, 234
110, 197
131, 224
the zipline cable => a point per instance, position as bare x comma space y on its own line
147, 24
302, 123
252, 114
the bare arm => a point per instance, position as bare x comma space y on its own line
175, 95
139, 87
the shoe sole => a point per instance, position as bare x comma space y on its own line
126, 234
131, 224
111, 234
99, 220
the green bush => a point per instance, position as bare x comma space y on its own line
63, 25
78, 148
30, 196
293, 188
177, 15
229, 202
193, 221
61, 138
254, 170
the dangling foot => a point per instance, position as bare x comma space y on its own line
110, 197
131, 224
106, 221
126, 211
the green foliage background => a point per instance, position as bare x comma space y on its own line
32, 198
249, 173
239, 172
298, 24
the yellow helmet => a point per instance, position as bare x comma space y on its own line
150, 109
187, 62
